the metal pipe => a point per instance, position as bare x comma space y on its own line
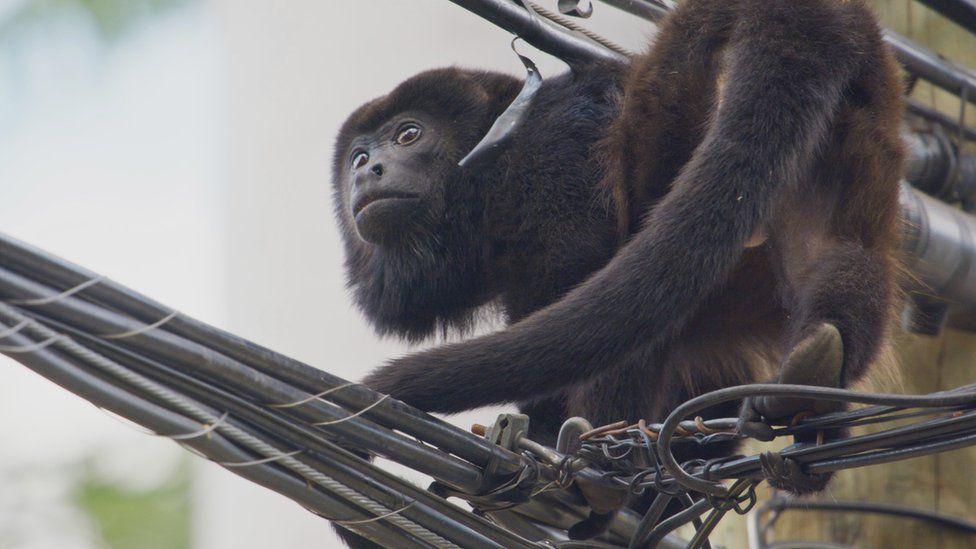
939, 245
935, 167
961, 12
928, 65
570, 47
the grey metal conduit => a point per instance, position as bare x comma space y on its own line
961, 12
940, 245
938, 238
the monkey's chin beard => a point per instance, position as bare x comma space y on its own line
387, 221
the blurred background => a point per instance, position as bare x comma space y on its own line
182, 147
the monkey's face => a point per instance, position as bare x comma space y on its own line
390, 194
412, 221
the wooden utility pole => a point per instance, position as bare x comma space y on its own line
944, 482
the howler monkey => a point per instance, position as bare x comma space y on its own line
655, 230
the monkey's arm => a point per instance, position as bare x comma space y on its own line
789, 64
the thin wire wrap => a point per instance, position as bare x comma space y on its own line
310, 398
376, 518
351, 416
37, 346
143, 329
56, 297
202, 432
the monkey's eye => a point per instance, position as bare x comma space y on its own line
408, 134
359, 160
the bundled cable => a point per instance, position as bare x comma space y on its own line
262, 416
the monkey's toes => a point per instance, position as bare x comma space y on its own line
818, 360
751, 422
786, 474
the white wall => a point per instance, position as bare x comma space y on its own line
108, 157
296, 69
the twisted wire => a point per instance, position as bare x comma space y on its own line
573, 26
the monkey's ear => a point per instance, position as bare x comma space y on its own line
499, 89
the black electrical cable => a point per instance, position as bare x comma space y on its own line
55, 272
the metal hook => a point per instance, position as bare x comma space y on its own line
509, 122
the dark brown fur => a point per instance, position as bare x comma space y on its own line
613, 233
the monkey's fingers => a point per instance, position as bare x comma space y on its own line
751, 421
786, 474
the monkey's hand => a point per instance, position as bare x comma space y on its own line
817, 360
461, 376
420, 381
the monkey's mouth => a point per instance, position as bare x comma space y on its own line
367, 199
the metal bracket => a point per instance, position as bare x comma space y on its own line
507, 431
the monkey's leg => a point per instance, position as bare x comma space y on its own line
838, 326
546, 416
816, 360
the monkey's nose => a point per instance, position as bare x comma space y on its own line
377, 169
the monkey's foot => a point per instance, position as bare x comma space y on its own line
590, 527
818, 360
